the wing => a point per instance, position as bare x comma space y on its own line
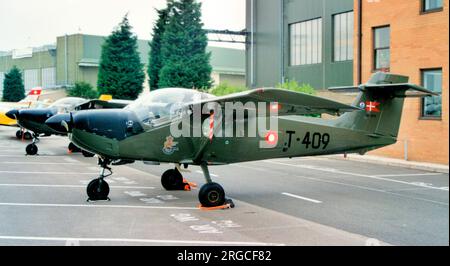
288, 102
101, 104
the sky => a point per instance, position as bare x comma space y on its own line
32, 23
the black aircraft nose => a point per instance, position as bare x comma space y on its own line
61, 122
110, 123
13, 114
38, 115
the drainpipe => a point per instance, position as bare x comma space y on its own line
66, 67
282, 41
252, 43
359, 56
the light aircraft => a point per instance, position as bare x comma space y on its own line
144, 130
32, 100
33, 119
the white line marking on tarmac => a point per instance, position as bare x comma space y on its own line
47, 173
130, 240
44, 163
355, 174
213, 175
355, 186
399, 175
94, 206
300, 197
69, 186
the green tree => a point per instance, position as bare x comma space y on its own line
293, 85
13, 89
184, 57
83, 90
155, 60
225, 89
120, 72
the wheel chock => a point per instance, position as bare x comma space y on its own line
189, 185
228, 205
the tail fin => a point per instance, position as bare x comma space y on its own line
381, 99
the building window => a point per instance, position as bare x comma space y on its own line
306, 42
432, 5
343, 36
432, 105
382, 51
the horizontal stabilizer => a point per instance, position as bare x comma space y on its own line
389, 85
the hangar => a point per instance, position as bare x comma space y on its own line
76, 58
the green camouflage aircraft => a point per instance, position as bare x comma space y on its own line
148, 129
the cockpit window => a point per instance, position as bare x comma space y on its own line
161, 104
67, 104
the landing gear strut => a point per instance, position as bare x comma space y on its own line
32, 148
98, 189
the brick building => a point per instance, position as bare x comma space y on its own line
409, 37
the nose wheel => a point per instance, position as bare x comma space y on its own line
32, 149
98, 189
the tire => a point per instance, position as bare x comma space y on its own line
27, 135
31, 149
19, 134
211, 195
87, 154
172, 180
97, 190
73, 148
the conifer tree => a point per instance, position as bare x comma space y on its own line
121, 72
13, 88
155, 60
184, 57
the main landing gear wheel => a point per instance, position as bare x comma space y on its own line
27, 135
172, 180
211, 195
87, 154
98, 189
19, 134
73, 148
31, 149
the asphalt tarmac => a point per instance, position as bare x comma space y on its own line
303, 201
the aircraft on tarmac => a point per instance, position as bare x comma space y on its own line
30, 101
33, 119
147, 130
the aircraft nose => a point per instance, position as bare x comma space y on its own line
13, 114
111, 123
36, 115
60, 122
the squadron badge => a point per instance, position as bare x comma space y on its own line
170, 146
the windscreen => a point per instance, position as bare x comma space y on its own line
67, 104
163, 103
